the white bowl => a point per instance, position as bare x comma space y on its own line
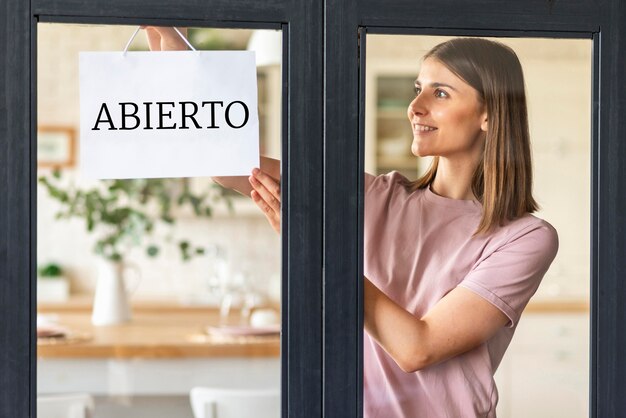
264, 317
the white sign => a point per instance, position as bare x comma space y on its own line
168, 114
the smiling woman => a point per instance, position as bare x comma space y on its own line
451, 260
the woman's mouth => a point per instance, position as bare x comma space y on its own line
421, 129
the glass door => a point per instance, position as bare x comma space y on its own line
365, 135
201, 269
192, 264
540, 360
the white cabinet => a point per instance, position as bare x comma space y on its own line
545, 372
154, 377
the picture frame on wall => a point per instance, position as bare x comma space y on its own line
56, 146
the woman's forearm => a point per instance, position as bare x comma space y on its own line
402, 335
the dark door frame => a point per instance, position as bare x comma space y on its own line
302, 177
322, 218
347, 22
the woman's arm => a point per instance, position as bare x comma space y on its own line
459, 322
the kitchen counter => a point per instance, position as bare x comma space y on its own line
158, 330
557, 306
162, 329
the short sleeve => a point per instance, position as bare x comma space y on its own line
383, 181
510, 276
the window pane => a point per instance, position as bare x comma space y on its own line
419, 248
201, 263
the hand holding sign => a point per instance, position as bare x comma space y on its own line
165, 38
266, 195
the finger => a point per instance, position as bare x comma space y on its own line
269, 198
170, 39
268, 181
262, 204
265, 195
165, 38
154, 38
272, 217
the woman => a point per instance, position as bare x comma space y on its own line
451, 259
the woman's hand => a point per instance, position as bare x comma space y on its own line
162, 38
266, 194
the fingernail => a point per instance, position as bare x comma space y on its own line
255, 171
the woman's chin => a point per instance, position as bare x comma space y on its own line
418, 151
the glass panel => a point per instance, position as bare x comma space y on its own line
201, 262
441, 305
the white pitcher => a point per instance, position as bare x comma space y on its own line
110, 304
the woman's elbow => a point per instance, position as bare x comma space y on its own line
414, 361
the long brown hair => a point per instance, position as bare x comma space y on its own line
502, 181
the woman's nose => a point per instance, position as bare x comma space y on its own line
417, 106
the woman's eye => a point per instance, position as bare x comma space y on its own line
441, 94
418, 90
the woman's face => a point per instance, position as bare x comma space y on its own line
447, 117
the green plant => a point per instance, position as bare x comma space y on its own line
50, 270
127, 210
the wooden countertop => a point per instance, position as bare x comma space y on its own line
84, 303
557, 306
157, 331
168, 330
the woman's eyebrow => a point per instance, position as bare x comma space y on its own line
417, 83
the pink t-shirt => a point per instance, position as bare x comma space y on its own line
418, 247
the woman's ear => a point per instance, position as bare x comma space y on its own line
485, 123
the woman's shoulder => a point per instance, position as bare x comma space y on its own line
532, 222
532, 230
384, 181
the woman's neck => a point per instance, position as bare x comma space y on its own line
454, 179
